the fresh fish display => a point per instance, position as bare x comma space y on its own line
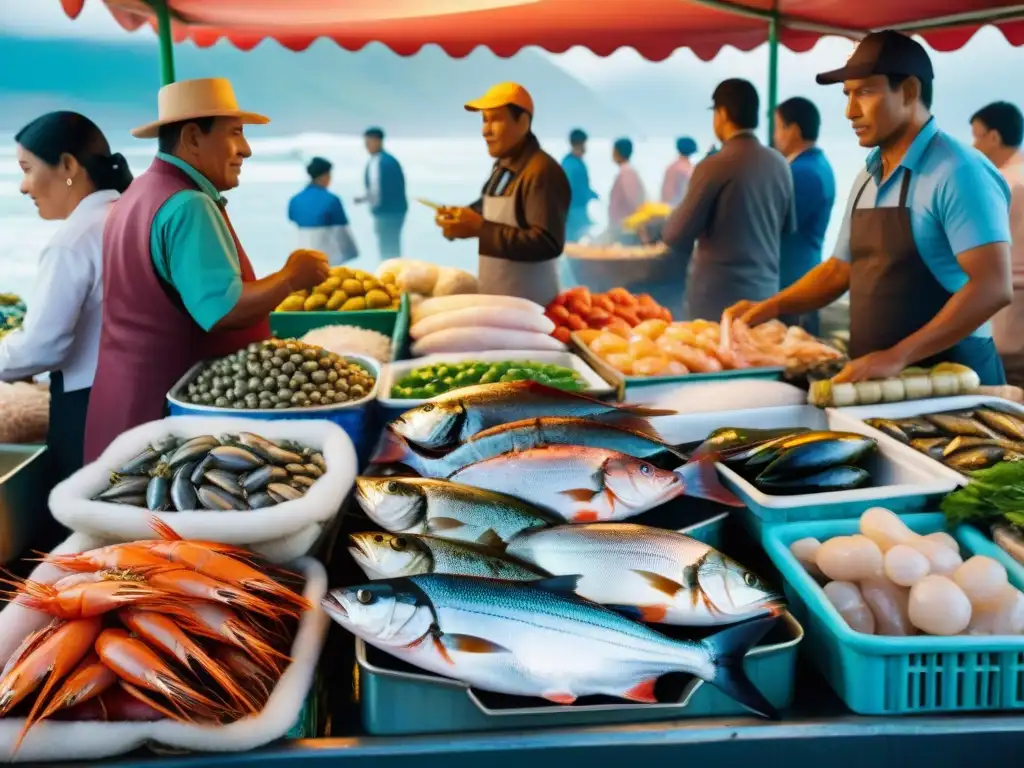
445, 509
537, 639
807, 457
453, 417
206, 472
892, 429
839, 478
643, 443
1010, 540
729, 441
390, 556
586, 485
767, 453
963, 440
660, 576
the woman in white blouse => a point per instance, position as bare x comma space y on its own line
71, 176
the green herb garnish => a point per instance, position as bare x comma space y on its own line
997, 491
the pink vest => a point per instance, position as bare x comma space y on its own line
148, 341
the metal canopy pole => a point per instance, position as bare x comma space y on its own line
773, 71
163, 29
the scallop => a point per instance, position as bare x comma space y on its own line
944, 561
944, 538
982, 579
847, 599
905, 566
1005, 617
850, 558
938, 606
806, 553
885, 528
888, 604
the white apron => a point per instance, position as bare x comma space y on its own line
536, 281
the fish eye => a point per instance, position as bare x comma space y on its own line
379, 538
750, 579
398, 544
392, 487
364, 596
645, 469
428, 407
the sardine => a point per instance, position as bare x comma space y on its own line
235, 459
917, 427
522, 435
586, 485
808, 457
140, 464
183, 493
158, 493
954, 424
1004, 423
962, 441
537, 639
192, 450
839, 478
1010, 540
977, 457
393, 555
127, 486
212, 497
268, 450
451, 418
727, 441
933, 446
658, 575
889, 427
226, 481
447, 510
260, 478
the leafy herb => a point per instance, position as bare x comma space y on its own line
994, 492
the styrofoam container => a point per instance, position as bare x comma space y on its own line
595, 385
901, 481
55, 741
911, 408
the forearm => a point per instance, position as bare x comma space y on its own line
815, 290
258, 300
966, 311
533, 244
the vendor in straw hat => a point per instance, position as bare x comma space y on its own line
178, 287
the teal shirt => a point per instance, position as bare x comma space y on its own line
193, 249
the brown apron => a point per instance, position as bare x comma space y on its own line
894, 294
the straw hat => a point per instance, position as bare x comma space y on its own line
192, 99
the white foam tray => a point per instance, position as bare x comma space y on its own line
392, 372
854, 416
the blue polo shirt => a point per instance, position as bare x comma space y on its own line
814, 190
316, 207
957, 199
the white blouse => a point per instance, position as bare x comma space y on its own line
61, 331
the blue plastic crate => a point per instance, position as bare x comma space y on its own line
898, 675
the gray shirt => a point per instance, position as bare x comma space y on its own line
738, 204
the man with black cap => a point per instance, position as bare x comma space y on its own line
320, 216
924, 249
738, 204
579, 182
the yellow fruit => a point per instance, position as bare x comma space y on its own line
393, 290
371, 285
352, 287
588, 335
328, 286
377, 299
292, 304
652, 329
388, 277
337, 299
396, 304
304, 293
360, 274
355, 304
315, 302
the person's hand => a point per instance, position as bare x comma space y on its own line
306, 269
753, 313
459, 223
886, 364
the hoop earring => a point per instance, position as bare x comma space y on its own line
69, 182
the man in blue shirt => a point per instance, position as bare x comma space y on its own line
579, 222
320, 217
924, 249
385, 192
797, 124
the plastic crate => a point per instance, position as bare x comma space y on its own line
390, 322
898, 675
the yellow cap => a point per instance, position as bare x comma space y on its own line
502, 95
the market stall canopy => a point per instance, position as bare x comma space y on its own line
655, 28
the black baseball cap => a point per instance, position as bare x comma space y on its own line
883, 53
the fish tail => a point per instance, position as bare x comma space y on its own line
645, 412
394, 449
700, 480
727, 649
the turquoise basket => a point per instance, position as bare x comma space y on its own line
899, 675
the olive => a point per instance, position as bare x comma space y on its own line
314, 397
318, 377
288, 367
231, 394
267, 383
221, 402
281, 404
340, 397
277, 361
332, 376
252, 400
206, 397
266, 365
300, 377
253, 348
357, 391
311, 353
273, 398
307, 388
329, 395
236, 368
284, 393
216, 391
341, 385
282, 380
326, 363
275, 372
300, 398
310, 365
239, 404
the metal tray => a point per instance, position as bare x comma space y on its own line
24, 485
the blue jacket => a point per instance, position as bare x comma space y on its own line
316, 207
579, 182
814, 188
392, 200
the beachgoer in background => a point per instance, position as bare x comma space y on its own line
924, 249
628, 192
177, 285
737, 207
520, 217
385, 193
998, 131
579, 181
677, 176
320, 216
72, 177
797, 125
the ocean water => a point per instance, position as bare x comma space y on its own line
448, 171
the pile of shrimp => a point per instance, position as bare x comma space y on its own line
187, 630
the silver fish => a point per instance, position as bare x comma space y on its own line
537, 639
226, 481
235, 459
260, 478
280, 492
268, 450
183, 493
192, 450
212, 497
448, 510
127, 486
1004, 423
391, 555
658, 575
449, 419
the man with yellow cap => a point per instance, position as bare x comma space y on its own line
520, 217
177, 285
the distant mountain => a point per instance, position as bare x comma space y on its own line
323, 89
